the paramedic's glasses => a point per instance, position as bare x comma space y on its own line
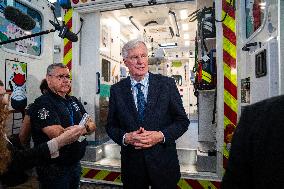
135, 58
62, 77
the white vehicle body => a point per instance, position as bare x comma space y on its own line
19, 54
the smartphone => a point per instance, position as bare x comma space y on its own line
84, 120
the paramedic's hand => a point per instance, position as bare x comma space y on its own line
147, 139
133, 137
70, 135
90, 126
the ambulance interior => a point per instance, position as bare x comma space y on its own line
169, 31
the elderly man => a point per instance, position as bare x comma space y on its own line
53, 113
145, 117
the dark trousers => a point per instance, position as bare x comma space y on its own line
59, 177
137, 177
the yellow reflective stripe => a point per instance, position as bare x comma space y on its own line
230, 101
229, 47
85, 171
68, 15
229, 74
226, 152
229, 21
183, 184
118, 179
206, 79
206, 184
65, 41
67, 57
206, 74
229, 1
101, 175
227, 122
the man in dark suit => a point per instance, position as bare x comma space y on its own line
257, 153
145, 117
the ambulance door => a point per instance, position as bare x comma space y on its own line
258, 58
86, 63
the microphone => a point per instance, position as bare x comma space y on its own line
64, 32
20, 19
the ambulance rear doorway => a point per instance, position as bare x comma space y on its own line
170, 39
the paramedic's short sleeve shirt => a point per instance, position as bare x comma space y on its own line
29, 110
52, 109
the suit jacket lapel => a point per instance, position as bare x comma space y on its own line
153, 94
128, 98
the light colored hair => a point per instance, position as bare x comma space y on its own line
130, 45
51, 67
5, 154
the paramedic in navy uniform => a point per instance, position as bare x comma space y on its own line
145, 117
53, 113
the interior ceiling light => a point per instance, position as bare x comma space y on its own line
168, 45
124, 20
262, 5
186, 36
186, 43
183, 14
185, 27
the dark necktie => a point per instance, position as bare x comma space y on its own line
140, 103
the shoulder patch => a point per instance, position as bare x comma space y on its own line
43, 113
75, 106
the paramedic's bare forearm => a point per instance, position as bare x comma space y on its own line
25, 131
53, 131
90, 127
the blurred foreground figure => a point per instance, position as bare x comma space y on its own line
256, 158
